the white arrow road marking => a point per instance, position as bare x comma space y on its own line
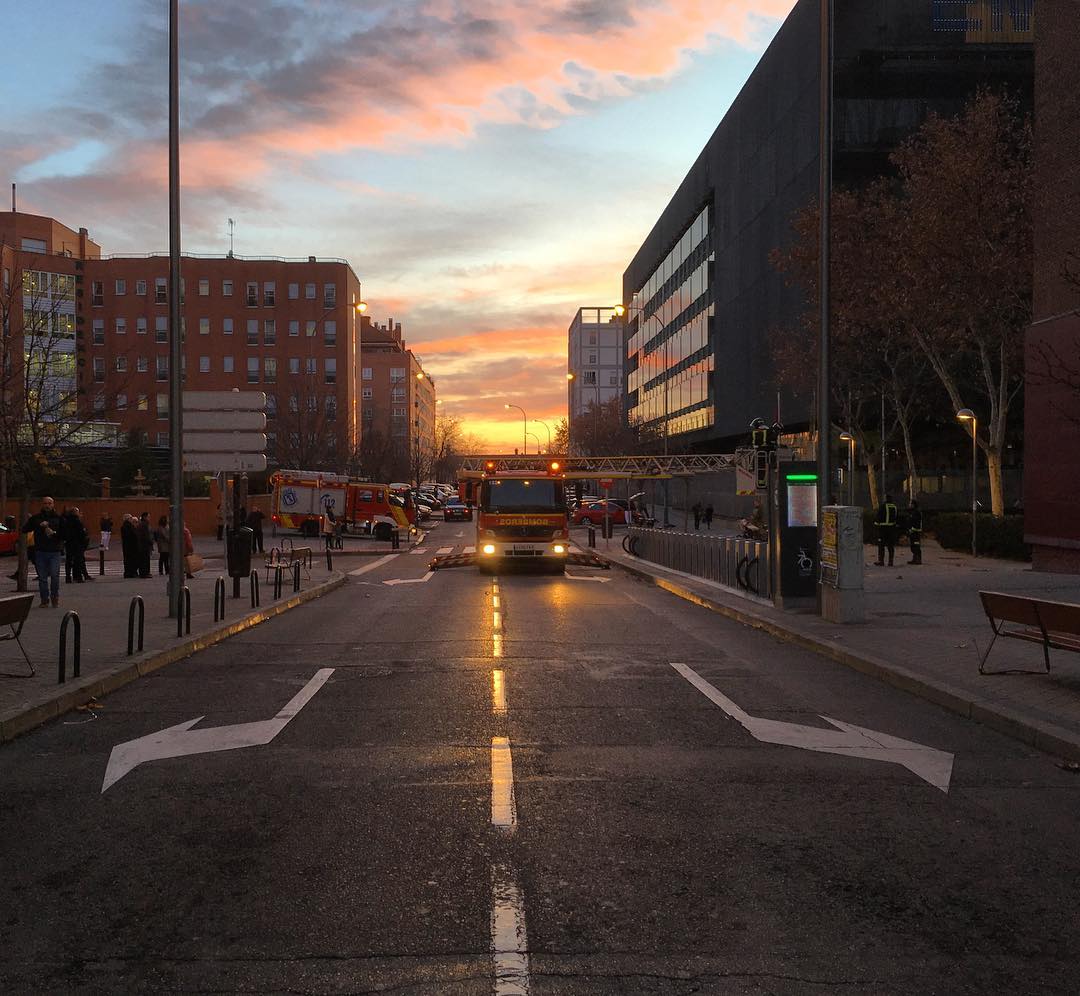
181, 740
426, 577
584, 577
372, 565
933, 766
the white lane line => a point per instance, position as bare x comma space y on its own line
583, 577
417, 550
503, 811
444, 550
509, 941
469, 549
426, 577
498, 692
372, 565
496, 620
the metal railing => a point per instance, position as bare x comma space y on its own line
727, 560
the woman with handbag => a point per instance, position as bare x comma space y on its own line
192, 561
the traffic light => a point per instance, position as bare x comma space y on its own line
759, 434
761, 469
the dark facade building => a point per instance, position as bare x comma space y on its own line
701, 295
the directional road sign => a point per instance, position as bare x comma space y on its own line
224, 463
224, 442
223, 431
224, 401
212, 421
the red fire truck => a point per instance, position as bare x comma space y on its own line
521, 518
302, 498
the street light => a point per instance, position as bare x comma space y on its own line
847, 437
545, 425
524, 425
967, 415
537, 438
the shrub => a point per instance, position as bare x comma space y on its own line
995, 537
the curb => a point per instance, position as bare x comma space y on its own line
1046, 737
74, 694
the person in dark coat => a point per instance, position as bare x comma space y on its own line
887, 526
161, 538
129, 544
255, 523
708, 516
914, 528
696, 510
76, 540
146, 544
48, 534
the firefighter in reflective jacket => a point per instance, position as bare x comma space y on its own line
886, 530
914, 528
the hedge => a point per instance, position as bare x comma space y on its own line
997, 537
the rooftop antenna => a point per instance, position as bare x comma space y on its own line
232, 226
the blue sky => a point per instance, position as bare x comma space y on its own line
487, 167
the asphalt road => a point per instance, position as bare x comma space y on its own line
505, 787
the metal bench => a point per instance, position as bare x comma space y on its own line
14, 610
1051, 624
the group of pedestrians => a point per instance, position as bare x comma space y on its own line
889, 526
139, 540
702, 513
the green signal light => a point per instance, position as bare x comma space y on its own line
805, 478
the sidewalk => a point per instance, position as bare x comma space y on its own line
102, 605
925, 632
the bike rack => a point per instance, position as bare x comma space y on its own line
219, 598
136, 603
183, 611
76, 651
254, 589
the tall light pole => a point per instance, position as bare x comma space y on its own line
967, 415
176, 346
537, 438
524, 426
825, 148
546, 427
848, 438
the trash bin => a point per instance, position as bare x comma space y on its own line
239, 552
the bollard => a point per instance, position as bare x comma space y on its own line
219, 598
136, 603
183, 611
254, 589
309, 559
592, 536
277, 581
101, 562
296, 575
395, 539
329, 560
76, 650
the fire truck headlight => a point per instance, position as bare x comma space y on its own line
559, 548
489, 548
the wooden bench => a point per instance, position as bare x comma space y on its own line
1051, 624
14, 610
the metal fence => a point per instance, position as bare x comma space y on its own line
728, 560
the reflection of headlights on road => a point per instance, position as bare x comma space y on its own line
489, 548
559, 548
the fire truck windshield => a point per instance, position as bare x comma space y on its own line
523, 495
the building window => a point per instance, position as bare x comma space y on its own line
253, 370
330, 333
294, 364
269, 294
613, 379
365, 374
97, 293
309, 292
331, 408
294, 328
162, 368
142, 403
142, 364
121, 326
99, 331
161, 329
397, 374
311, 326
140, 288
269, 370
592, 358
226, 288
140, 326
204, 287
365, 394
294, 404
369, 413
163, 437
313, 403
227, 364
271, 405
253, 332
251, 298
121, 364
99, 403
121, 288
329, 297
99, 369
269, 332
204, 364
204, 326
160, 293
309, 365
226, 326
397, 394
589, 377
163, 406
121, 402
398, 413
294, 291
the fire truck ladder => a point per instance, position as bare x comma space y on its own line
636, 467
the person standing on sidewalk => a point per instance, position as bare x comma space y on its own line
106, 531
146, 544
161, 538
708, 516
886, 530
254, 523
914, 528
129, 543
76, 540
696, 509
48, 534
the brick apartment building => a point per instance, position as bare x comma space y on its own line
289, 328
397, 397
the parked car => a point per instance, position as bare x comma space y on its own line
593, 514
8, 539
456, 510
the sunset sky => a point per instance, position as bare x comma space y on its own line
486, 167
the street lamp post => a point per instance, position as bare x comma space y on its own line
848, 438
537, 438
967, 415
524, 425
548, 429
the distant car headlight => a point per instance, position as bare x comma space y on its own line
489, 548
